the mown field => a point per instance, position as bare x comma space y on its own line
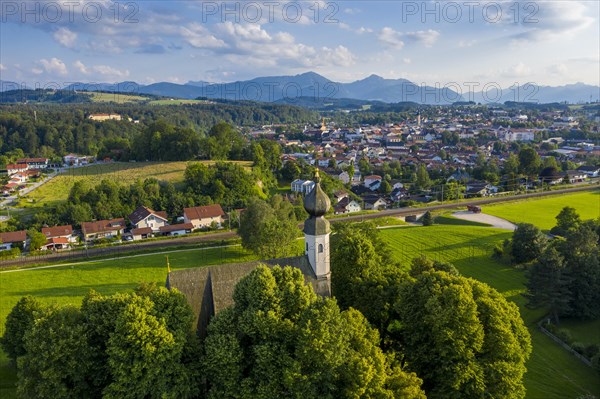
68, 284
552, 372
57, 189
118, 98
542, 212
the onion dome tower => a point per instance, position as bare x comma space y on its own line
317, 230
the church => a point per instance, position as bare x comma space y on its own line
210, 289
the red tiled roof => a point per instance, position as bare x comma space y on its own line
102, 225
13, 236
16, 166
202, 212
176, 227
57, 231
32, 160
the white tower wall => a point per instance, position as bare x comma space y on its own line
317, 250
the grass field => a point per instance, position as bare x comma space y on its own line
587, 332
552, 372
177, 101
57, 189
542, 212
118, 98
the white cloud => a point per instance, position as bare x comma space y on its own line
391, 38
362, 30
352, 11
198, 36
101, 71
54, 66
426, 37
406, 60
558, 69
517, 71
547, 20
466, 43
65, 37
2, 67
397, 40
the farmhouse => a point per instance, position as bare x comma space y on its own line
346, 206
102, 229
13, 238
590, 171
141, 233
146, 217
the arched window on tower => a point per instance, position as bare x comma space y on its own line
320, 248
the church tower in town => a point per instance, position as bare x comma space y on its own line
317, 231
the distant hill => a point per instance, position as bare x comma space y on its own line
299, 88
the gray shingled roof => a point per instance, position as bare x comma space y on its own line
210, 289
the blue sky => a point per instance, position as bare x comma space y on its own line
435, 42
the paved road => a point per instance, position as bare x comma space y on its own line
493, 221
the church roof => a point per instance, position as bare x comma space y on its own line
210, 289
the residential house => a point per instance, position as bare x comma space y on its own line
340, 195
10, 239
9, 188
20, 177
102, 229
398, 194
34, 163
177, 229
575, 176
61, 236
203, 216
346, 205
11, 169
75, 160
374, 202
590, 171
373, 182
146, 217
302, 186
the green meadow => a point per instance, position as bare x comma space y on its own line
542, 212
552, 372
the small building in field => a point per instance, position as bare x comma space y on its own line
204, 216
102, 229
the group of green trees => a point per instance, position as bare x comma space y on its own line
163, 132
387, 333
460, 336
278, 340
121, 346
564, 273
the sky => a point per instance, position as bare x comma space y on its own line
51, 43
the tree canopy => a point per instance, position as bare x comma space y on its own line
280, 340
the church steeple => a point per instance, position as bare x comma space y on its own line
317, 230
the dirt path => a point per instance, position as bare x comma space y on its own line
494, 221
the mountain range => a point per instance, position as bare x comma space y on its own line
320, 89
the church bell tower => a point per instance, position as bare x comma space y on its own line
317, 231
